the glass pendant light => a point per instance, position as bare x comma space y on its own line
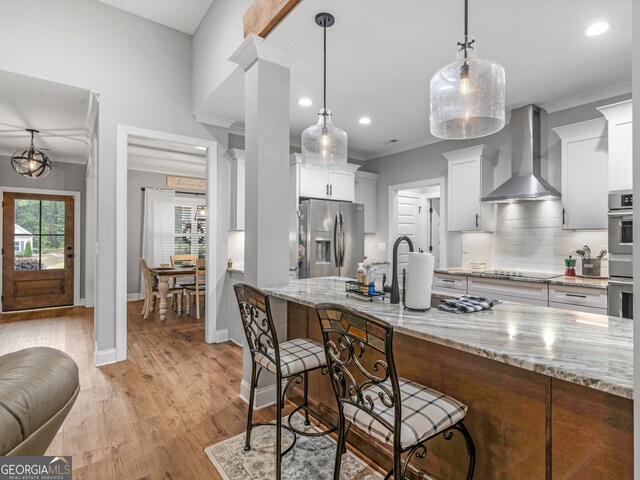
31, 163
324, 146
467, 95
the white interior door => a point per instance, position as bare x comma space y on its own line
408, 220
434, 231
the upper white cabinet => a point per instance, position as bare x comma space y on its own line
325, 184
366, 193
619, 117
236, 189
470, 178
585, 170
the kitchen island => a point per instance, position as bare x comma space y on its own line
549, 391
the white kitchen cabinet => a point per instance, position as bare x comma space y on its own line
341, 185
451, 284
366, 187
236, 189
620, 126
585, 173
313, 183
470, 178
326, 184
583, 299
578, 308
530, 293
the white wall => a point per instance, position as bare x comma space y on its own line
142, 72
217, 37
135, 202
529, 236
427, 163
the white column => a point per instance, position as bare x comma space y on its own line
266, 263
636, 233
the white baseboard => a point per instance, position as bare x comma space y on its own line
135, 296
222, 336
104, 357
265, 396
236, 342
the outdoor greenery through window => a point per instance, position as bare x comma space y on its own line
190, 233
39, 234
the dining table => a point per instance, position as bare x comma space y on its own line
164, 276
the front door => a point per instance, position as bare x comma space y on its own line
37, 251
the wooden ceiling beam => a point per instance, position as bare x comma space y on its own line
264, 15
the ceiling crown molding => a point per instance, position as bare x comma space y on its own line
586, 98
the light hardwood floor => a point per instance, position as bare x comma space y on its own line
151, 416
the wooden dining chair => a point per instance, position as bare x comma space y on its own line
197, 288
181, 260
151, 290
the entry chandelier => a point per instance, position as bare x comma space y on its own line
467, 95
31, 163
324, 146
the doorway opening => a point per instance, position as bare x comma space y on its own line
149, 159
417, 210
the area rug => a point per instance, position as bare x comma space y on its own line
312, 458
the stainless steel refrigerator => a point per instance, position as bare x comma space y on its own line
330, 238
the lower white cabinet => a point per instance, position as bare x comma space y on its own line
567, 297
582, 299
453, 284
530, 293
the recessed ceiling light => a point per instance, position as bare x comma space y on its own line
596, 29
305, 102
365, 120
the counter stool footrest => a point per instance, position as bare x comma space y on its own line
331, 428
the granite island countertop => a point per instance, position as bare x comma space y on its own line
557, 280
592, 350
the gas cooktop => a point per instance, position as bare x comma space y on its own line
521, 274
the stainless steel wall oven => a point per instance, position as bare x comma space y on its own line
620, 298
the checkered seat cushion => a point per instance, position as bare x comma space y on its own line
295, 356
425, 413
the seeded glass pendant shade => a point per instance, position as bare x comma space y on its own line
324, 146
467, 95
31, 163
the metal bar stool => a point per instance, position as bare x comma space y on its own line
290, 361
370, 394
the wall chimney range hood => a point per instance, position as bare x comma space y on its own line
528, 140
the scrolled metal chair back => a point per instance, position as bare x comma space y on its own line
257, 322
359, 355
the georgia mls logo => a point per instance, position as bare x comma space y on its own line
35, 468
